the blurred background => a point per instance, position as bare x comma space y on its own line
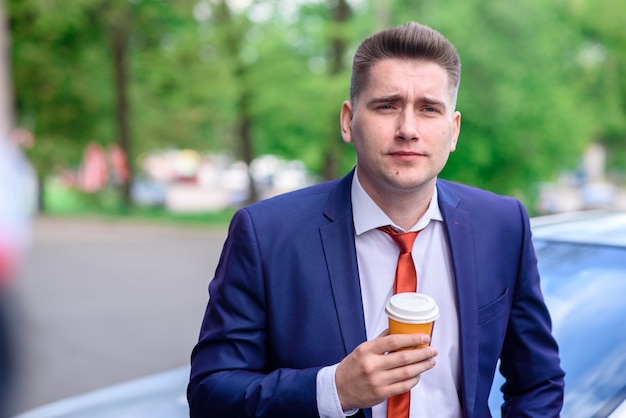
138, 126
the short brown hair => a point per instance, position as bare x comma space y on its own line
408, 41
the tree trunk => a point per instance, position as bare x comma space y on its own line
119, 44
243, 119
243, 130
338, 49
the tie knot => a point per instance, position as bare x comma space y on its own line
404, 240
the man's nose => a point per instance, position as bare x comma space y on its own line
408, 128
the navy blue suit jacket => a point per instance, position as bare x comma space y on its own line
286, 301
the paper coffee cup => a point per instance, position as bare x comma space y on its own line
412, 313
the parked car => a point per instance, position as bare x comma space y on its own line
158, 396
582, 259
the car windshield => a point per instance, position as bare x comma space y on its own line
585, 289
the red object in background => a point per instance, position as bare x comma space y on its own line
119, 164
93, 173
8, 262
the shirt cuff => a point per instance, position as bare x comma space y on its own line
328, 404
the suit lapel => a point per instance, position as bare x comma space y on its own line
340, 253
462, 249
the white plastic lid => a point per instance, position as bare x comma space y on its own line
412, 308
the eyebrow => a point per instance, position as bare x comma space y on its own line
397, 97
384, 99
431, 101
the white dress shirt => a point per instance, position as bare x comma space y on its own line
438, 392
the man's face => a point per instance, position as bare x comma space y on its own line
403, 126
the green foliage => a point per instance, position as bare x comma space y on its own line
180, 88
521, 120
60, 79
604, 61
541, 80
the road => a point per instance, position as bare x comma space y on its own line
100, 302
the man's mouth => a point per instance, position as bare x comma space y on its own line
405, 155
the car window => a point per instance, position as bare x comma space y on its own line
585, 289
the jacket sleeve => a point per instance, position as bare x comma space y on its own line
232, 372
529, 360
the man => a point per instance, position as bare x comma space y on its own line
295, 325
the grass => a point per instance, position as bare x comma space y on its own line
67, 202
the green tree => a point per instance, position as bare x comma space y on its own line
522, 114
59, 79
602, 58
72, 72
540, 80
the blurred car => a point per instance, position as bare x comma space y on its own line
159, 396
582, 259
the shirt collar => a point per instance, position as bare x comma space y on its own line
367, 215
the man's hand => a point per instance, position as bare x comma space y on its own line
376, 370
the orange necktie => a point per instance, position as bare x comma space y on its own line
404, 281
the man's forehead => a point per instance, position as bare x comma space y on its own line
410, 67
379, 82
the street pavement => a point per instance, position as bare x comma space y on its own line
100, 302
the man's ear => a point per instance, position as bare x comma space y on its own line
456, 130
346, 122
